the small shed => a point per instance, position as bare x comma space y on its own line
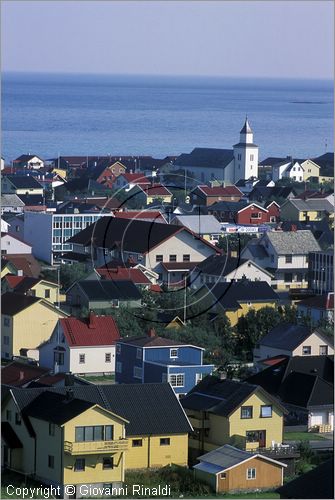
229, 469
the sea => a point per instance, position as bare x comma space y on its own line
79, 114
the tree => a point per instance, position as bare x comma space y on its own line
128, 322
67, 274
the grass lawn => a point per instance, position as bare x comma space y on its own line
110, 379
302, 436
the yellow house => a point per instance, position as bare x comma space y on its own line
235, 299
62, 440
90, 434
35, 287
149, 194
229, 412
310, 169
26, 322
61, 172
306, 210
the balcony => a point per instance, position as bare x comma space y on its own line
198, 423
95, 447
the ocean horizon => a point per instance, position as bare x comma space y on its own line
99, 114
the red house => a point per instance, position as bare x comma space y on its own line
252, 214
273, 211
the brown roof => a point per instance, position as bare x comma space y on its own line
151, 341
18, 374
25, 263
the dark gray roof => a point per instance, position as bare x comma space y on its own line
206, 158
109, 289
221, 397
219, 265
286, 336
225, 456
229, 294
246, 129
24, 181
137, 236
313, 204
227, 206
149, 408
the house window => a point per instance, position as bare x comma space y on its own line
186, 257
93, 433
59, 358
51, 461
164, 441
47, 294
306, 350
251, 157
81, 358
252, 436
118, 367
109, 432
6, 322
198, 377
246, 411
6, 340
323, 350
251, 473
108, 357
288, 259
173, 258
118, 349
173, 353
223, 475
107, 463
137, 372
159, 258
256, 215
177, 380
9, 415
288, 277
17, 419
139, 354
79, 465
51, 429
137, 443
266, 411
239, 157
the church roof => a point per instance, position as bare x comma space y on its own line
246, 129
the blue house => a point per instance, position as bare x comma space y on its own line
157, 359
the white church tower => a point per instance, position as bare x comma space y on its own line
245, 155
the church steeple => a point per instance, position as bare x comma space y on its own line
246, 134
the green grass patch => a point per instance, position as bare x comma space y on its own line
99, 378
302, 436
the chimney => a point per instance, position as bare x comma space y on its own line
92, 320
21, 376
330, 300
20, 272
69, 394
69, 379
151, 332
294, 228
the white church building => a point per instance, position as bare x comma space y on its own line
228, 165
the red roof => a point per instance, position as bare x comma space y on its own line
19, 374
94, 331
220, 190
137, 178
124, 273
273, 361
325, 301
25, 263
151, 215
156, 190
13, 280
155, 288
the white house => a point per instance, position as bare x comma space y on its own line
29, 161
317, 309
288, 169
292, 340
222, 268
13, 245
285, 254
81, 346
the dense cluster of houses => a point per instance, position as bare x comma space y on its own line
233, 235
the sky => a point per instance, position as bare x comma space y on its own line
223, 38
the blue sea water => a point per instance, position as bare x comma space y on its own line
51, 114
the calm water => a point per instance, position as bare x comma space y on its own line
86, 115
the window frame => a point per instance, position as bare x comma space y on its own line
288, 258
251, 472
159, 258
326, 349
139, 443
309, 347
52, 429
245, 408
174, 356
176, 375
266, 416
82, 356
165, 441
108, 357
139, 371
51, 461
104, 460
79, 469
173, 257
186, 257
139, 354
